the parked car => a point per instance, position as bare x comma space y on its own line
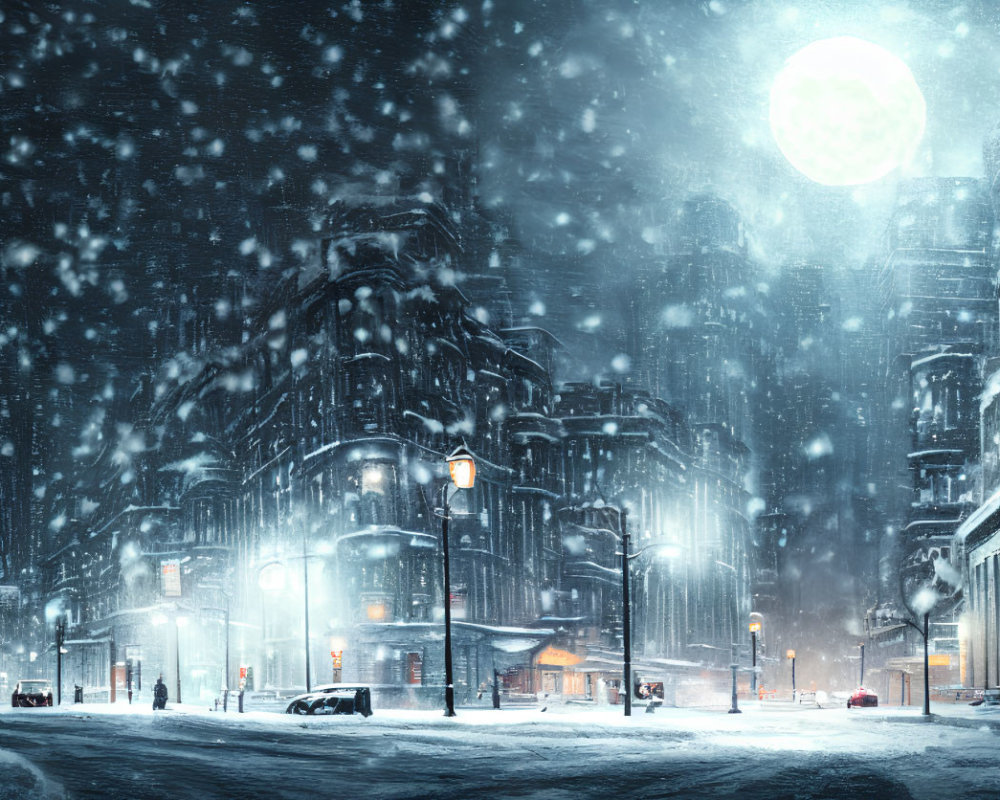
862, 697
335, 698
31, 694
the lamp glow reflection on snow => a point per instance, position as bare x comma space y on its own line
462, 468
845, 111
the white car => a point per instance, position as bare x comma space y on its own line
335, 698
32, 694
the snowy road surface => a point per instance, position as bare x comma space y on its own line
775, 753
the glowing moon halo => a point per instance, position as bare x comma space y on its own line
845, 111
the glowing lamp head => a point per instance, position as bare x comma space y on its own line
462, 468
754, 627
789, 654
271, 577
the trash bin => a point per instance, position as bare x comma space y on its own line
77, 694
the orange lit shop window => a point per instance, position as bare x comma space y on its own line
376, 612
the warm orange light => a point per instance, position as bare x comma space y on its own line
552, 656
789, 654
376, 612
754, 627
462, 468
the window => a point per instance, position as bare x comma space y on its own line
377, 489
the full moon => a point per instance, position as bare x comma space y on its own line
845, 111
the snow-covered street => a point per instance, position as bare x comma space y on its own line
770, 751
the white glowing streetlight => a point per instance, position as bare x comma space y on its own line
159, 618
271, 577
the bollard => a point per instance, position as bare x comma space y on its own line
77, 694
240, 703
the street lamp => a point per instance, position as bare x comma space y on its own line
178, 621
225, 672
462, 468
54, 613
270, 580
159, 619
669, 551
790, 655
305, 593
927, 674
626, 616
60, 638
754, 630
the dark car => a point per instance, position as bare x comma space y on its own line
31, 694
861, 698
336, 698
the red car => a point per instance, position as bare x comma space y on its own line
862, 698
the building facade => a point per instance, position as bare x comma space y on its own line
272, 516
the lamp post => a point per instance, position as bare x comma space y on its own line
60, 637
754, 628
271, 578
861, 681
225, 622
177, 654
305, 595
790, 655
462, 468
626, 616
923, 631
927, 671
669, 550
161, 618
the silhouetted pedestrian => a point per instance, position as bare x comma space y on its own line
159, 694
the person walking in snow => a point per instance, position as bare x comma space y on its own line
159, 694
